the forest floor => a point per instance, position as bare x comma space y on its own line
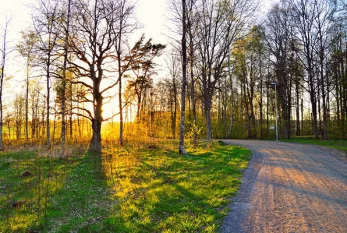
147, 187
290, 187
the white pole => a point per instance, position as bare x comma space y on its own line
274, 83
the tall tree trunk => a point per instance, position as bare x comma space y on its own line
297, 107
313, 98
63, 88
174, 116
320, 127
3, 62
192, 88
302, 113
95, 144
323, 91
48, 89
27, 102
261, 108
120, 82
120, 99
231, 98
314, 115
208, 120
181, 149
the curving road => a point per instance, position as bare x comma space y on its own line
290, 187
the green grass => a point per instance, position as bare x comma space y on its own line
335, 144
126, 190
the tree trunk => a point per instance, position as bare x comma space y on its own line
174, 117
312, 97
191, 56
231, 98
27, 102
63, 100
120, 101
48, 130
325, 125
208, 120
3, 61
120, 77
261, 108
297, 109
314, 115
181, 149
95, 144
302, 114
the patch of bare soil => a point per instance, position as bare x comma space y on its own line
290, 188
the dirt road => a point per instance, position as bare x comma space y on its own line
290, 188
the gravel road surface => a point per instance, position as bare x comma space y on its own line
290, 187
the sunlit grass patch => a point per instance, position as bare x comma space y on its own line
28, 182
144, 189
168, 192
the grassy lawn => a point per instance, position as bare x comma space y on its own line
151, 189
335, 144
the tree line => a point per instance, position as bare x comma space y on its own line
233, 67
222, 65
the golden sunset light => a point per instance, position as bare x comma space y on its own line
173, 116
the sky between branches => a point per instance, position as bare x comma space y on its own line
152, 15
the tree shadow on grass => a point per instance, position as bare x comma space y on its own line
80, 202
142, 191
178, 193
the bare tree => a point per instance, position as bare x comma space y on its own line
19, 105
125, 26
323, 25
303, 14
64, 79
338, 67
174, 71
4, 52
45, 24
219, 23
191, 52
279, 40
99, 31
181, 149
27, 49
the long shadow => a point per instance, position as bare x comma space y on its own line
165, 205
81, 200
166, 185
84, 198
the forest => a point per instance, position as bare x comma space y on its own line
226, 71
221, 73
